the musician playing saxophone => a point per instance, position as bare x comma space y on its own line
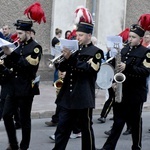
135, 65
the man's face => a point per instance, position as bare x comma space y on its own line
6, 30
134, 39
22, 36
83, 38
147, 38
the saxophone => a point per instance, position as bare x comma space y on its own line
118, 77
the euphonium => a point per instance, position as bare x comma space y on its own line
118, 77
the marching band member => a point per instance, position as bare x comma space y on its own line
135, 65
77, 94
23, 63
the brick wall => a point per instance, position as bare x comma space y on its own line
11, 10
135, 8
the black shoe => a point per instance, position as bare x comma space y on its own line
108, 132
111, 118
149, 130
51, 124
15, 147
127, 132
102, 120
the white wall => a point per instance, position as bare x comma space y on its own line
63, 14
111, 19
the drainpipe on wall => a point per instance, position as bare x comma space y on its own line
93, 14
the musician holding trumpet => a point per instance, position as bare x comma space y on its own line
22, 64
135, 65
77, 94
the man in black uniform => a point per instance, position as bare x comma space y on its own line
23, 63
77, 95
135, 66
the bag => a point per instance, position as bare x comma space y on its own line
35, 86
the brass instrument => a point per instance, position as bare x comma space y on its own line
118, 77
58, 84
58, 59
12, 46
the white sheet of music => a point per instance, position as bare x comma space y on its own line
111, 40
4, 43
70, 44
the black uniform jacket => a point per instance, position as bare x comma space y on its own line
78, 89
137, 71
23, 64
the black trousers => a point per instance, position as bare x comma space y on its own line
126, 112
67, 118
55, 119
2, 101
108, 104
24, 104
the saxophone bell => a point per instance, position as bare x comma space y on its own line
58, 84
119, 79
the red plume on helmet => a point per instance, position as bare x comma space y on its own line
14, 37
125, 34
72, 35
144, 21
35, 12
83, 15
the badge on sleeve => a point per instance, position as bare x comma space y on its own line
148, 55
146, 61
36, 50
98, 56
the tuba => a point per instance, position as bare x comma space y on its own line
118, 77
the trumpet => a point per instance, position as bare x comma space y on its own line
58, 59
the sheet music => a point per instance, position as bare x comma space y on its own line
70, 44
114, 39
4, 43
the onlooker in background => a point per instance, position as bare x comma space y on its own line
72, 35
6, 33
55, 41
1, 35
67, 34
146, 39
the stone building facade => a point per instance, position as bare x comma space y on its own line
55, 10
